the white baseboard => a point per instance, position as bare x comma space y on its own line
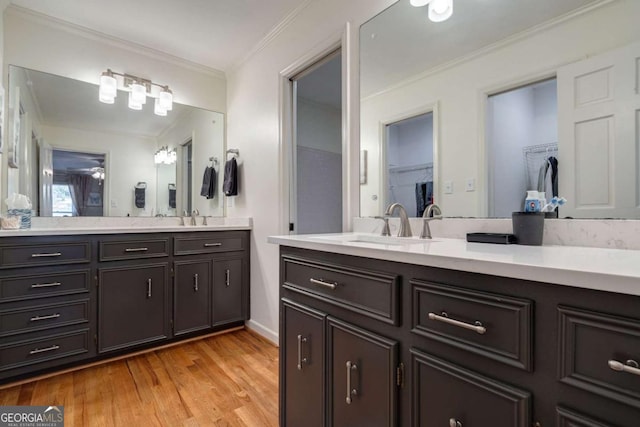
262, 330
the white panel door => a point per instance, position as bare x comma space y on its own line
598, 156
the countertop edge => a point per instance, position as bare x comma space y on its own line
118, 230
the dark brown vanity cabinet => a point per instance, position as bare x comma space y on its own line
440, 347
133, 306
66, 300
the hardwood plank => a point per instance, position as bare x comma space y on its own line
228, 380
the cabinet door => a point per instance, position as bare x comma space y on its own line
191, 296
133, 306
444, 394
362, 380
228, 290
302, 366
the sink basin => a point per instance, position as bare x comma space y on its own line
370, 238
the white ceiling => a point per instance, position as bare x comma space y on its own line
214, 33
401, 42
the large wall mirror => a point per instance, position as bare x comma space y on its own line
75, 156
505, 96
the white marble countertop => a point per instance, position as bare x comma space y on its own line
614, 270
105, 225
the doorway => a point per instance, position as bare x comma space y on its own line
522, 145
409, 163
316, 196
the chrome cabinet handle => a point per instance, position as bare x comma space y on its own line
227, 278
301, 359
148, 288
45, 285
136, 249
350, 391
44, 350
330, 285
209, 245
50, 316
454, 423
444, 317
53, 254
195, 282
631, 367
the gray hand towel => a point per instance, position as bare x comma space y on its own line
230, 185
208, 188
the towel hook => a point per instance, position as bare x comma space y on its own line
214, 161
234, 151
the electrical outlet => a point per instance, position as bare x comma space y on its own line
470, 185
448, 187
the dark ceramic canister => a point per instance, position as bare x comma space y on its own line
528, 227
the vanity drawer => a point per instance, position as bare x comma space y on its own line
43, 285
600, 353
133, 249
45, 254
444, 394
45, 349
570, 418
207, 244
43, 317
369, 293
495, 326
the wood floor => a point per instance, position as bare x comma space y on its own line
225, 380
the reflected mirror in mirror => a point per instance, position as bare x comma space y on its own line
524, 95
61, 135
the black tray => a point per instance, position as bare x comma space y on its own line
500, 238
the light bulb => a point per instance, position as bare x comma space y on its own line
166, 99
440, 10
139, 93
157, 108
133, 104
418, 3
108, 88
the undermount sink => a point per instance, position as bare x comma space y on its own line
369, 238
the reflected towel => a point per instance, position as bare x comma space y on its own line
230, 185
139, 195
172, 196
424, 196
208, 189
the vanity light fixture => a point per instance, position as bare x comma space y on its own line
439, 10
165, 156
138, 88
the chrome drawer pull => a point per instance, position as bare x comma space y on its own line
195, 282
210, 245
53, 254
148, 288
45, 285
631, 367
44, 350
454, 423
330, 285
444, 317
50, 316
301, 359
350, 391
227, 278
136, 249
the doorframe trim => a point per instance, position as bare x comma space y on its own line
346, 40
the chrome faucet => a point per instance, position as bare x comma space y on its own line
432, 212
194, 215
182, 217
405, 227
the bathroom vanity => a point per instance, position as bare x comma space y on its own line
76, 296
449, 333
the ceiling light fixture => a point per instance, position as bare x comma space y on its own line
165, 156
439, 10
138, 89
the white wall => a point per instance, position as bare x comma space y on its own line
133, 155
253, 126
459, 90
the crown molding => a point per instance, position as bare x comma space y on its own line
271, 35
59, 24
539, 28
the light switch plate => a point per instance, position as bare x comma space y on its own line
448, 187
470, 185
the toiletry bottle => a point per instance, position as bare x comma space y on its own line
532, 202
